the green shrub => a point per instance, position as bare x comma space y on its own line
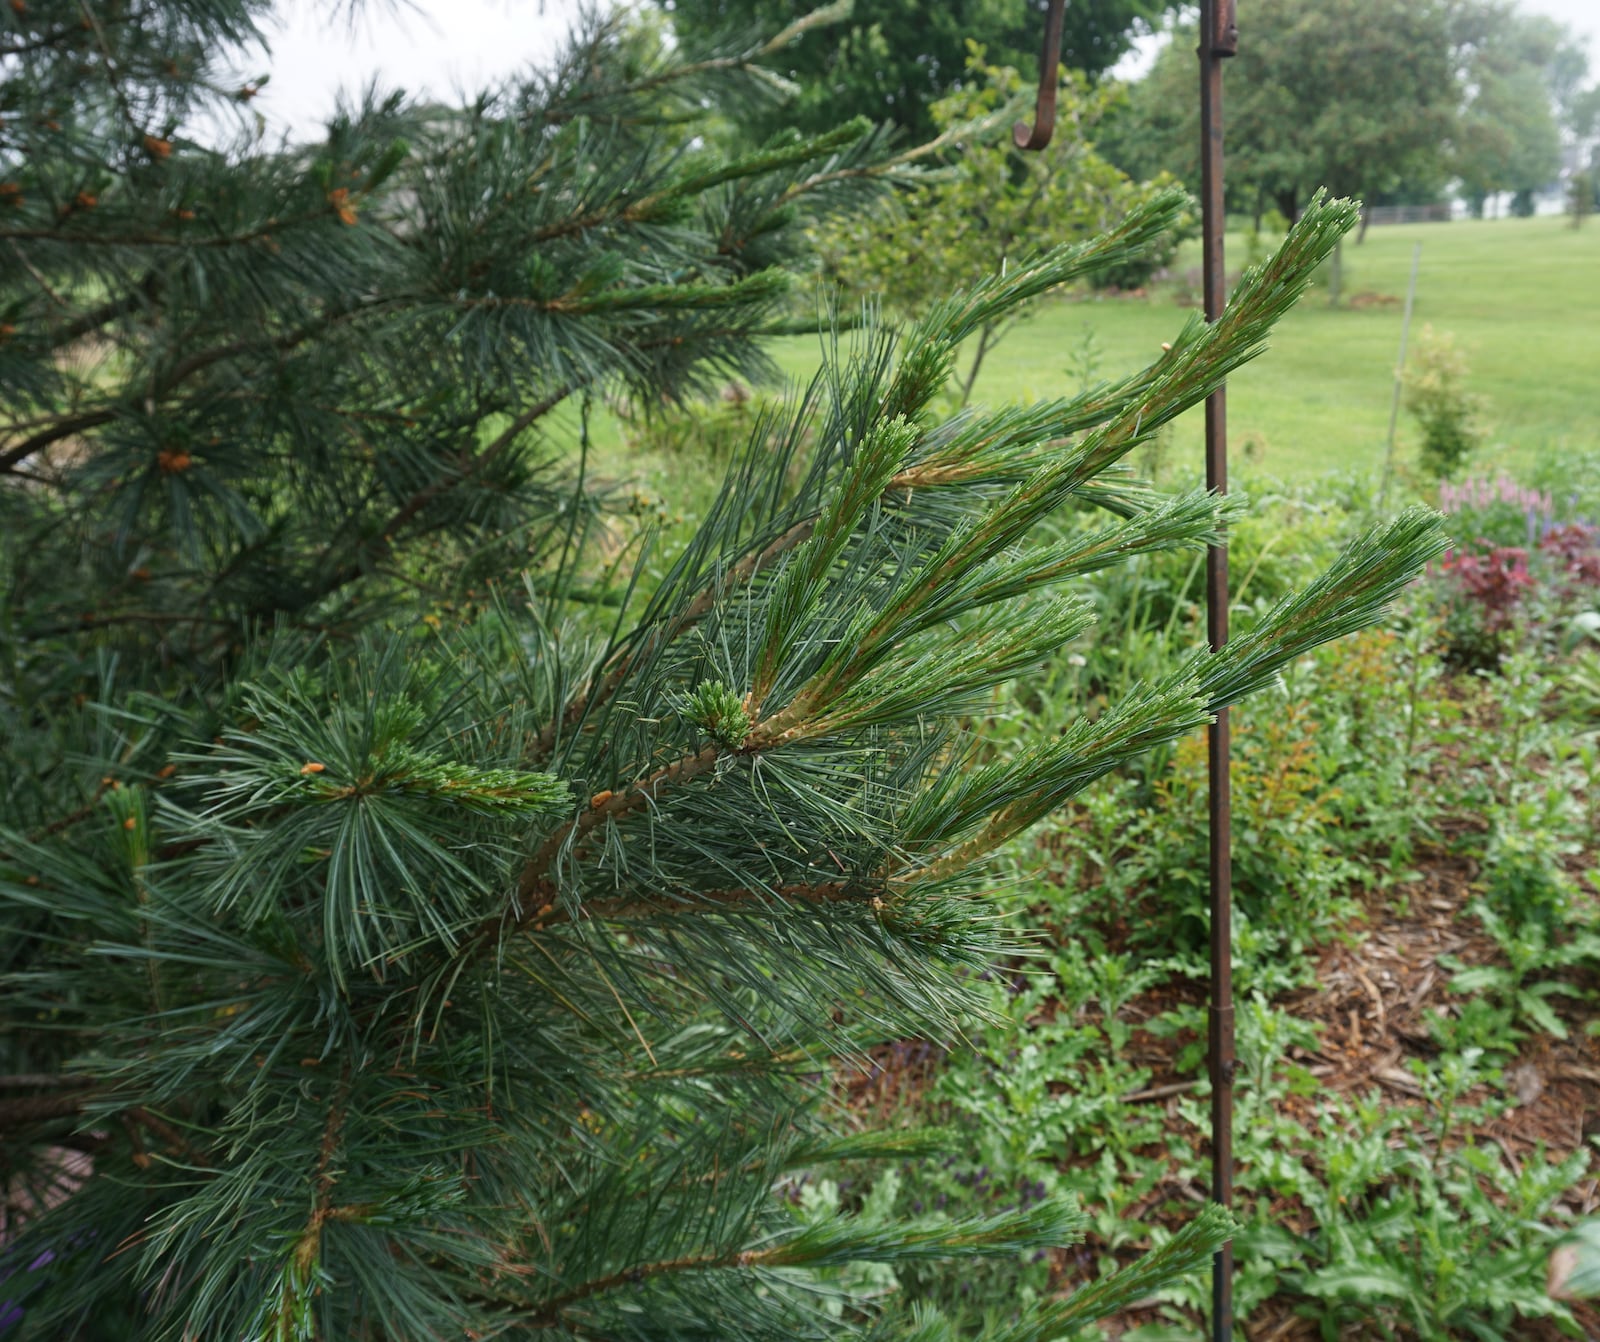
1446, 413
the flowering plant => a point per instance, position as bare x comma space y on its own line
1514, 562
1497, 512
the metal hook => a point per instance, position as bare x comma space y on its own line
1044, 111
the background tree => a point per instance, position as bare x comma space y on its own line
282, 367
1582, 124
391, 958
1522, 82
1357, 98
990, 204
1582, 115
894, 59
1387, 104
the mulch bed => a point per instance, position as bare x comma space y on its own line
1372, 999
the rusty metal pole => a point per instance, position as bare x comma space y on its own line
1219, 39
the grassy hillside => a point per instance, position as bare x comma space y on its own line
1522, 297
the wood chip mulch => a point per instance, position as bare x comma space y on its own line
1372, 999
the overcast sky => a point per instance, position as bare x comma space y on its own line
442, 47
435, 47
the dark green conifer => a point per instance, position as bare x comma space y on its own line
372, 976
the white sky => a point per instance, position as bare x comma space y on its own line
437, 47
1582, 16
442, 47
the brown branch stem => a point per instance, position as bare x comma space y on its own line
181, 372
45, 1081
146, 293
633, 906
534, 889
262, 233
548, 1314
625, 659
309, 1246
40, 1108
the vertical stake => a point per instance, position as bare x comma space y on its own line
1399, 375
1219, 39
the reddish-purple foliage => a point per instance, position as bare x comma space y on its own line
1572, 549
1496, 580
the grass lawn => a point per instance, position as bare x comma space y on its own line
1522, 297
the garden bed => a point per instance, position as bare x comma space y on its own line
1418, 977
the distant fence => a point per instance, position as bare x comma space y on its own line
1409, 214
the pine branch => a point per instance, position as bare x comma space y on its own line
141, 298
549, 1314
70, 425
308, 1248
87, 237
650, 207
479, 462
622, 663
1184, 1255
629, 908
74, 33
156, 618
380, 545
981, 455
63, 426
534, 889
951, 137
44, 1081
745, 61
111, 67
764, 285
16, 1114
843, 1241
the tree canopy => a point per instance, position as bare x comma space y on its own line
1354, 96
286, 365
1522, 84
890, 60
1375, 101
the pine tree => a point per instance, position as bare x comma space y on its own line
386, 977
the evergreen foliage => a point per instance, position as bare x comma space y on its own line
372, 976
268, 372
